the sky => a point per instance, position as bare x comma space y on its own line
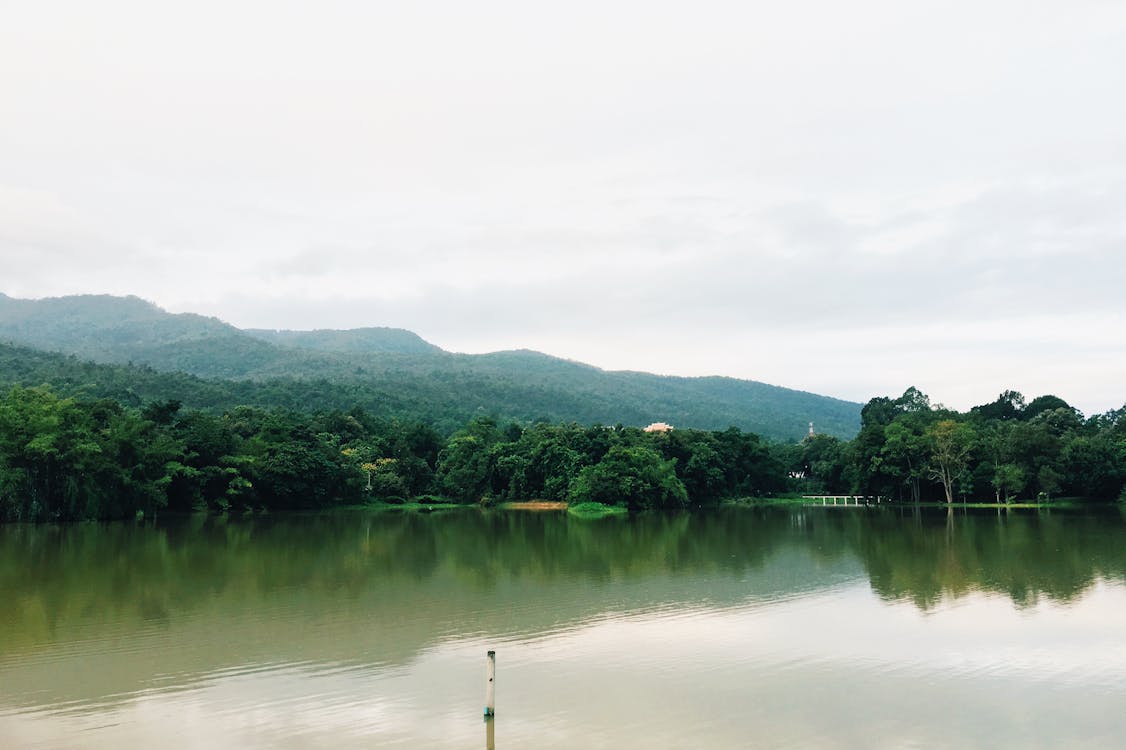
847, 198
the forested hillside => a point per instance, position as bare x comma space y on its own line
388, 372
81, 440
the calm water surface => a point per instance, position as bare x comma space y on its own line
814, 627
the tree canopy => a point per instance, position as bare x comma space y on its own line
908, 449
73, 458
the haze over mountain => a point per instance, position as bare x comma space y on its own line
389, 371
352, 341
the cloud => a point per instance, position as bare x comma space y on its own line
727, 187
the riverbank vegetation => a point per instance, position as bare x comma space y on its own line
66, 459
589, 510
1000, 452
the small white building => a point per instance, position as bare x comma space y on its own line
659, 427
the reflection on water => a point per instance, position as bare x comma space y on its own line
815, 627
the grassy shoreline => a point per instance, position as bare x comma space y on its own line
601, 510
411, 507
591, 511
1063, 503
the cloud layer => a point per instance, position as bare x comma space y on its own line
844, 199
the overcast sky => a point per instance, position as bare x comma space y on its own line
848, 198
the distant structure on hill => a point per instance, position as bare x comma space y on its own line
811, 429
659, 427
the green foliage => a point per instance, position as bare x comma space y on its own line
1008, 479
1042, 404
636, 477
72, 459
119, 441
1009, 405
950, 444
465, 464
207, 364
385, 482
593, 511
1043, 450
61, 460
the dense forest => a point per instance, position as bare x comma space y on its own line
67, 458
908, 450
144, 353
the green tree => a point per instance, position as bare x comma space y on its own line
1008, 480
636, 477
1008, 405
1041, 404
1050, 481
384, 480
464, 469
951, 443
703, 474
905, 451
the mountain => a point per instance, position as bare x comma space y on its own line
128, 329
354, 341
207, 363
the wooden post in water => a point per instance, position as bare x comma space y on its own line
490, 685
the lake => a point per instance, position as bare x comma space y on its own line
762, 627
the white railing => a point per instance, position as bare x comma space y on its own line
847, 499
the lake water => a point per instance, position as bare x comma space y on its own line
775, 627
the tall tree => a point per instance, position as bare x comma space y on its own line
905, 451
951, 443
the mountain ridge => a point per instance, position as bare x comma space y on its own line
400, 365
348, 340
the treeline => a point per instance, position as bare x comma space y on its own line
71, 459
442, 390
67, 459
909, 450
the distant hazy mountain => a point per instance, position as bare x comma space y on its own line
128, 329
388, 371
353, 341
